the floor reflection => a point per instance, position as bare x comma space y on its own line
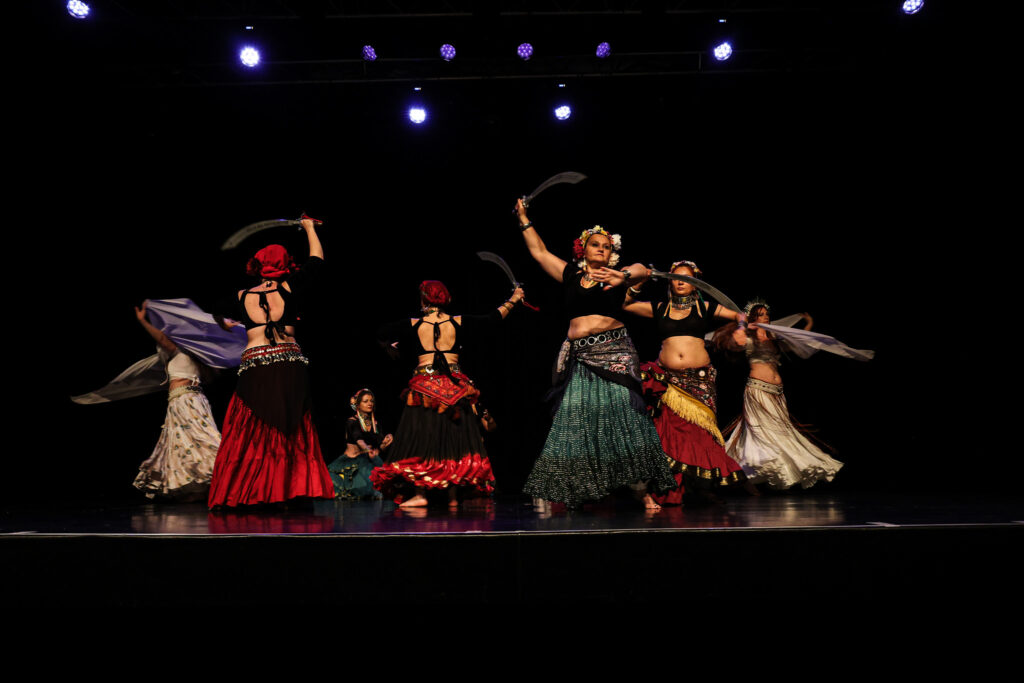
513, 515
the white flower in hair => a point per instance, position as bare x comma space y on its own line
616, 242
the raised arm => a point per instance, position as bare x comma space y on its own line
162, 339
315, 248
551, 264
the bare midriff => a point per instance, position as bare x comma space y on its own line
428, 359
766, 372
682, 353
257, 336
586, 325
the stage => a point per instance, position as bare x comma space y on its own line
800, 546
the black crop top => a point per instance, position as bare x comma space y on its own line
407, 336
596, 300
693, 325
298, 282
456, 346
354, 433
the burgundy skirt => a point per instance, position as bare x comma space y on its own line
269, 450
686, 422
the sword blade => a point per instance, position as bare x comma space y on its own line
711, 291
570, 177
500, 262
251, 229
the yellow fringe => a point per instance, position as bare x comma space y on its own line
692, 410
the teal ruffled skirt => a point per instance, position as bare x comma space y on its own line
351, 477
598, 442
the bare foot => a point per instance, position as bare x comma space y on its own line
453, 499
417, 501
650, 503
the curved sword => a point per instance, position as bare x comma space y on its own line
570, 177
241, 235
713, 292
500, 262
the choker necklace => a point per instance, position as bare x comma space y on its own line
680, 303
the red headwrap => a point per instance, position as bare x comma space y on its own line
435, 293
272, 261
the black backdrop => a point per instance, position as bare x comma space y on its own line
825, 191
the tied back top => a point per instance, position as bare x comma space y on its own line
596, 300
696, 324
299, 283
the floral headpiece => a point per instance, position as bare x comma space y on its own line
689, 264
754, 303
581, 242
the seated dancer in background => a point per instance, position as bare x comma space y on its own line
684, 383
438, 446
189, 342
764, 440
270, 452
363, 443
601, 439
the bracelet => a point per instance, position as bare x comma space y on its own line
625, 271
634, 291
529, 224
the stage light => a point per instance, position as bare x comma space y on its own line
723, 51
447, 52
563, 112
417, 115
369, 54
525, 51
249, 56
603, 50
78, 9
912, 6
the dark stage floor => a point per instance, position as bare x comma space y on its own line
796, 510
820, 544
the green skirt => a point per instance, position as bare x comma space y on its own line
598, 442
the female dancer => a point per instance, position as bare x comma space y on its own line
189, 342
270, 452
182, 462
437, 445
764, 440
364, 442
683, 381
601, 438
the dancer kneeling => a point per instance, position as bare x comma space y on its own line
437, 444
601, 438
270, 452
364, 443
684, 383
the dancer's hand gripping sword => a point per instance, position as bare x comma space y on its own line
500, 262
253, 228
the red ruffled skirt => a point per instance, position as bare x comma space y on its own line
269, 451
689, 432
437, 443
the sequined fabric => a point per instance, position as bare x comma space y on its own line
700, 383
266, 355
598, 442
610, 351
